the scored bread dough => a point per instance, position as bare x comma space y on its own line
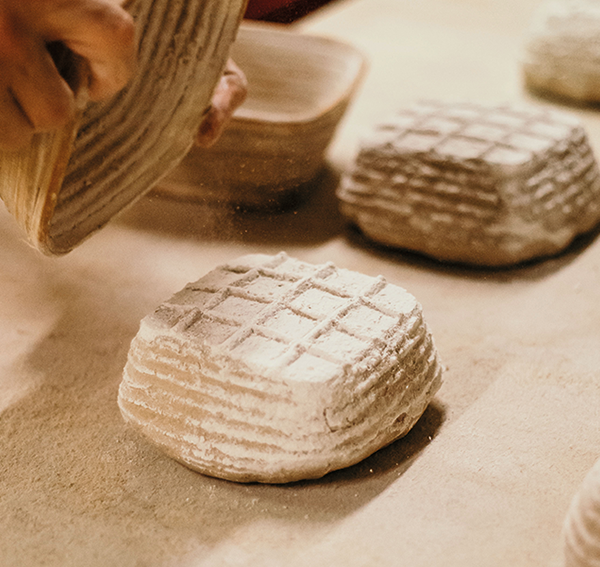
473, 183
270, 369
581, 530
561, 54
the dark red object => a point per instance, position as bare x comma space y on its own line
282, 11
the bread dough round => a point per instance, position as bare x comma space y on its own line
581, 532
269, 369
475, 184
562, 50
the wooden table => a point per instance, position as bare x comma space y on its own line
485, 477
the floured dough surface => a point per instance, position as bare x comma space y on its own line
562, 49
581, 530
270, 369
472, 183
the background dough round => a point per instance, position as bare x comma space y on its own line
475, 184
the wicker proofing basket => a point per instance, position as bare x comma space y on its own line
70, 183
300, 86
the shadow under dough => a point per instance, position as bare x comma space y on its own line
312, 218
533, 270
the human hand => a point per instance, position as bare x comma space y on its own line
33, 95
230, 93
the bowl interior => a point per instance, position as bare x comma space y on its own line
293, 77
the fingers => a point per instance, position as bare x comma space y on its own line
101, 32
15, 129
230, 93
42, 93
33, 96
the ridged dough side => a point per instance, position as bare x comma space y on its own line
581, 530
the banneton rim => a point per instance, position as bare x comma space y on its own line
70, 183
473, 183
270, 369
